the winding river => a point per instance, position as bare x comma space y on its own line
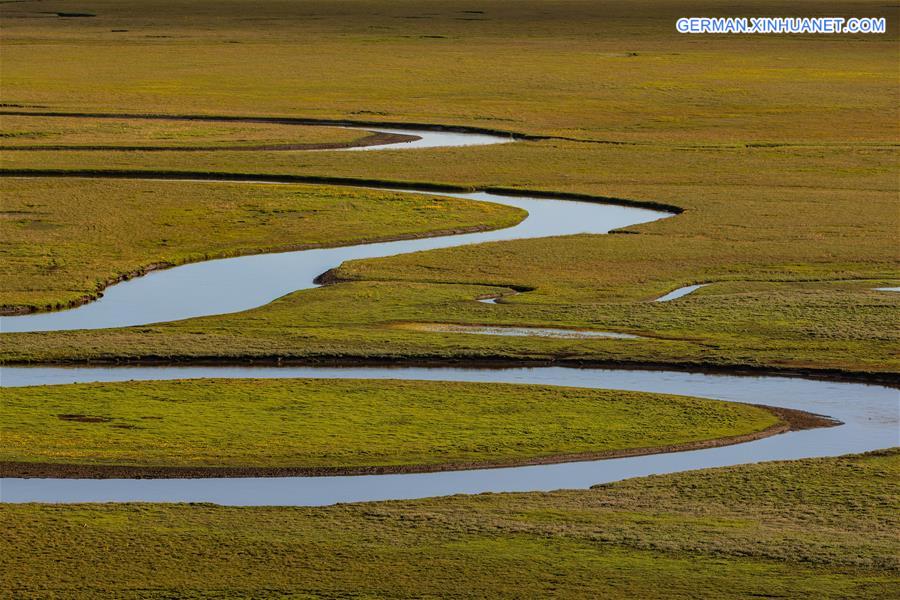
234, 284
870, 413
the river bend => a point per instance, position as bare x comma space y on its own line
870, 413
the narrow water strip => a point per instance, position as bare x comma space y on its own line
870, 416
869, 412
680, 292
230, 285
546, 332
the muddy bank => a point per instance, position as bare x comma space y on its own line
412, 186
281, 121
888, 378
374, 139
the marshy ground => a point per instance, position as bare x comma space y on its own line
823, 528
781, 150
299, 426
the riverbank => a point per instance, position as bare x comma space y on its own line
315, 427
819, 527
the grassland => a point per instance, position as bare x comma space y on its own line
338, 426
63, 243
579, 68
19, 132
823, 528
798, 234
782, 151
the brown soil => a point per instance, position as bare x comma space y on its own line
278, 120
83, 418
791, 420
886, 378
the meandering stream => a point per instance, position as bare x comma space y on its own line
870, 413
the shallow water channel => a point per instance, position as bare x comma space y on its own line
869, 412
870, 416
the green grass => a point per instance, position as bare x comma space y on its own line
347, 423
822, 528
582, 68
844, 326
18, 131
781, 149
64, 241
792, 233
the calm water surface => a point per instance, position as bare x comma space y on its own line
235, 284
869, 412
